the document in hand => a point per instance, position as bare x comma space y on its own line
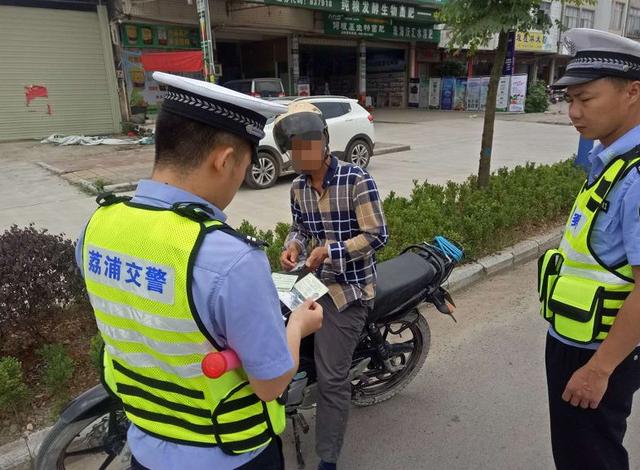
293, 293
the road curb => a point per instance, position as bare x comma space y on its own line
52, 169
132, 185
69, 177
19, 453
121, 187
392, 149
527, 250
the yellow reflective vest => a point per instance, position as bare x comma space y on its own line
580, 295
138, 262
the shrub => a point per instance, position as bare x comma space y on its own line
95, 351
275, 238
482, 220
537, 100
38, 279
58, 368
13, 391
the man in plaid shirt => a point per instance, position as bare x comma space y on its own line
338, 225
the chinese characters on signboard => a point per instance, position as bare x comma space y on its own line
367, 27
531, 41
377, 9
159, 36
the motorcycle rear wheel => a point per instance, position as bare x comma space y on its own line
97, 442
376, 385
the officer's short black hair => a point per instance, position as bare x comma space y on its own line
619, 82
183, 144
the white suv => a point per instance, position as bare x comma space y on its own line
351, 138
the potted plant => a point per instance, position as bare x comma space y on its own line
137, 102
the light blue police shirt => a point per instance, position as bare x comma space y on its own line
616, 233
238, 304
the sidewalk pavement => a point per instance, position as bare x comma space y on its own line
557, 114
120, 167
443, 148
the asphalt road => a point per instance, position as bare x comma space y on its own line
480, 401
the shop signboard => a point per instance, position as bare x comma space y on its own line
530, 41
502, 100
358, 26
159, 36
304, 89
473, 94
460, 100
511, 54
435, 85
414, 92
484, 90
423, 100
143, 92
448, 93
374, 9
518, 93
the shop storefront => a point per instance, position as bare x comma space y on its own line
251, 57
362, 49
384, 44
387, 76
143, 93
57, 71
329, 69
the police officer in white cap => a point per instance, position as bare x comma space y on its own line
588, 286
170, 284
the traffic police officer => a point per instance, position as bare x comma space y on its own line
170, 282
587, 286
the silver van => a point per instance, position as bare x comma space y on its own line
258, 87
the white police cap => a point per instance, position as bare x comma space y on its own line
598, 54
217, 106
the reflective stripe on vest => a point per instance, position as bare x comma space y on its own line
581, 295
138, 262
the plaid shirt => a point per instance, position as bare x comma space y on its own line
348, 218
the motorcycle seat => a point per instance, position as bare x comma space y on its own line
399, 280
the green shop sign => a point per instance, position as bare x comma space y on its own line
159, 36
341, 25
375, 9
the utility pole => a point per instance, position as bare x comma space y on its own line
206, 42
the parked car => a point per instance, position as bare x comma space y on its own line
258, 87
351, 138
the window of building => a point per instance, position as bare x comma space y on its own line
571, 15
587, 18
633, 23
617, 16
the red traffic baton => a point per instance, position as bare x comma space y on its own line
215, 364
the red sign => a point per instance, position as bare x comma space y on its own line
183, 61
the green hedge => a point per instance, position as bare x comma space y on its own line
537, 99
481, 220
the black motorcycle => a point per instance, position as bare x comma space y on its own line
92, 430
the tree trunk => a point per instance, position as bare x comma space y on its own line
484, 170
